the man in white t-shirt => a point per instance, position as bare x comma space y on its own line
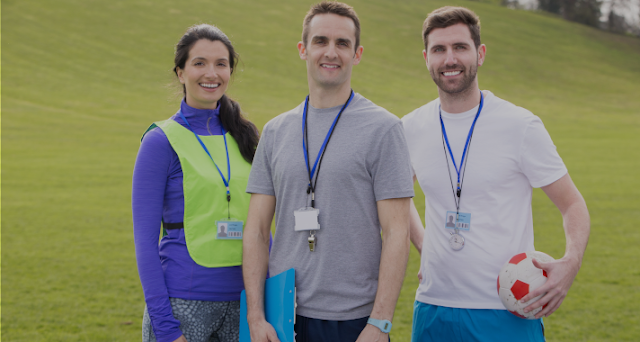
477, 158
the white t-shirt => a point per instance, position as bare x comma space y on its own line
510, 152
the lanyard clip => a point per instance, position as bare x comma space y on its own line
228, 195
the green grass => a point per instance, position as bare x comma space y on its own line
83, 79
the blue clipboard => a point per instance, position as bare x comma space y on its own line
279, 306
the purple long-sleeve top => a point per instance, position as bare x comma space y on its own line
166, 269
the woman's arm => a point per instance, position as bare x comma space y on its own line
150, 175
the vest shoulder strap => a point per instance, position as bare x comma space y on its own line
153, 125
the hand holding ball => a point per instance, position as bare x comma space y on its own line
517, 278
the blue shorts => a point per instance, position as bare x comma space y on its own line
440, 323
319, 330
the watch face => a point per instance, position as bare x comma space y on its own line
383, 325
456, 241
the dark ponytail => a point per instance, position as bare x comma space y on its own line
242, 130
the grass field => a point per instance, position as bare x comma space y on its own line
83, 79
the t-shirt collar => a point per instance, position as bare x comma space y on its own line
469, 113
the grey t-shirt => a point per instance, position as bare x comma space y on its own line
366, 160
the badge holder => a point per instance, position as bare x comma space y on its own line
306, 219
230, 229
462, 222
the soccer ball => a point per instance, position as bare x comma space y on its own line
517, 278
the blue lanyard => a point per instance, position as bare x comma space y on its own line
224, 180
312, 171
466, 145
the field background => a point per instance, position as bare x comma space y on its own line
83, 79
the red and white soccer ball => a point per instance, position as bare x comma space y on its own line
517, 278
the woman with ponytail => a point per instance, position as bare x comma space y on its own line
189, 184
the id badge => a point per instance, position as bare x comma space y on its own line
462, 222
229, 229
306, 219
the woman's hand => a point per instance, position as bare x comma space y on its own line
181, 339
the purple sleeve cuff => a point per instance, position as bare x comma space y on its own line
170, 338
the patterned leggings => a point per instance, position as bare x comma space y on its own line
201, 321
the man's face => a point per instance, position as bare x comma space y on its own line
452, 58
330, 52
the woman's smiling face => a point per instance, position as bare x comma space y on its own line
206, 74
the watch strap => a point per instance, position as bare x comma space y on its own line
382, 324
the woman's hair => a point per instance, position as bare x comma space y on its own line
242, 130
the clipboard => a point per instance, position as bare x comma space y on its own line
279, 306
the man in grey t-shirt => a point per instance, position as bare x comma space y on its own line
330, 214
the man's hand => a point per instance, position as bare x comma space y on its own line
372, 334
262, 331
560, 276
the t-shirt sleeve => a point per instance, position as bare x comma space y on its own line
391, 167
539, 159
260, 180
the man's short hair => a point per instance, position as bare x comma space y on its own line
444, 17
330, 7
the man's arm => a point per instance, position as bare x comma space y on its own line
561, 273
255, 263
394, 219
416, 230
415, 227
